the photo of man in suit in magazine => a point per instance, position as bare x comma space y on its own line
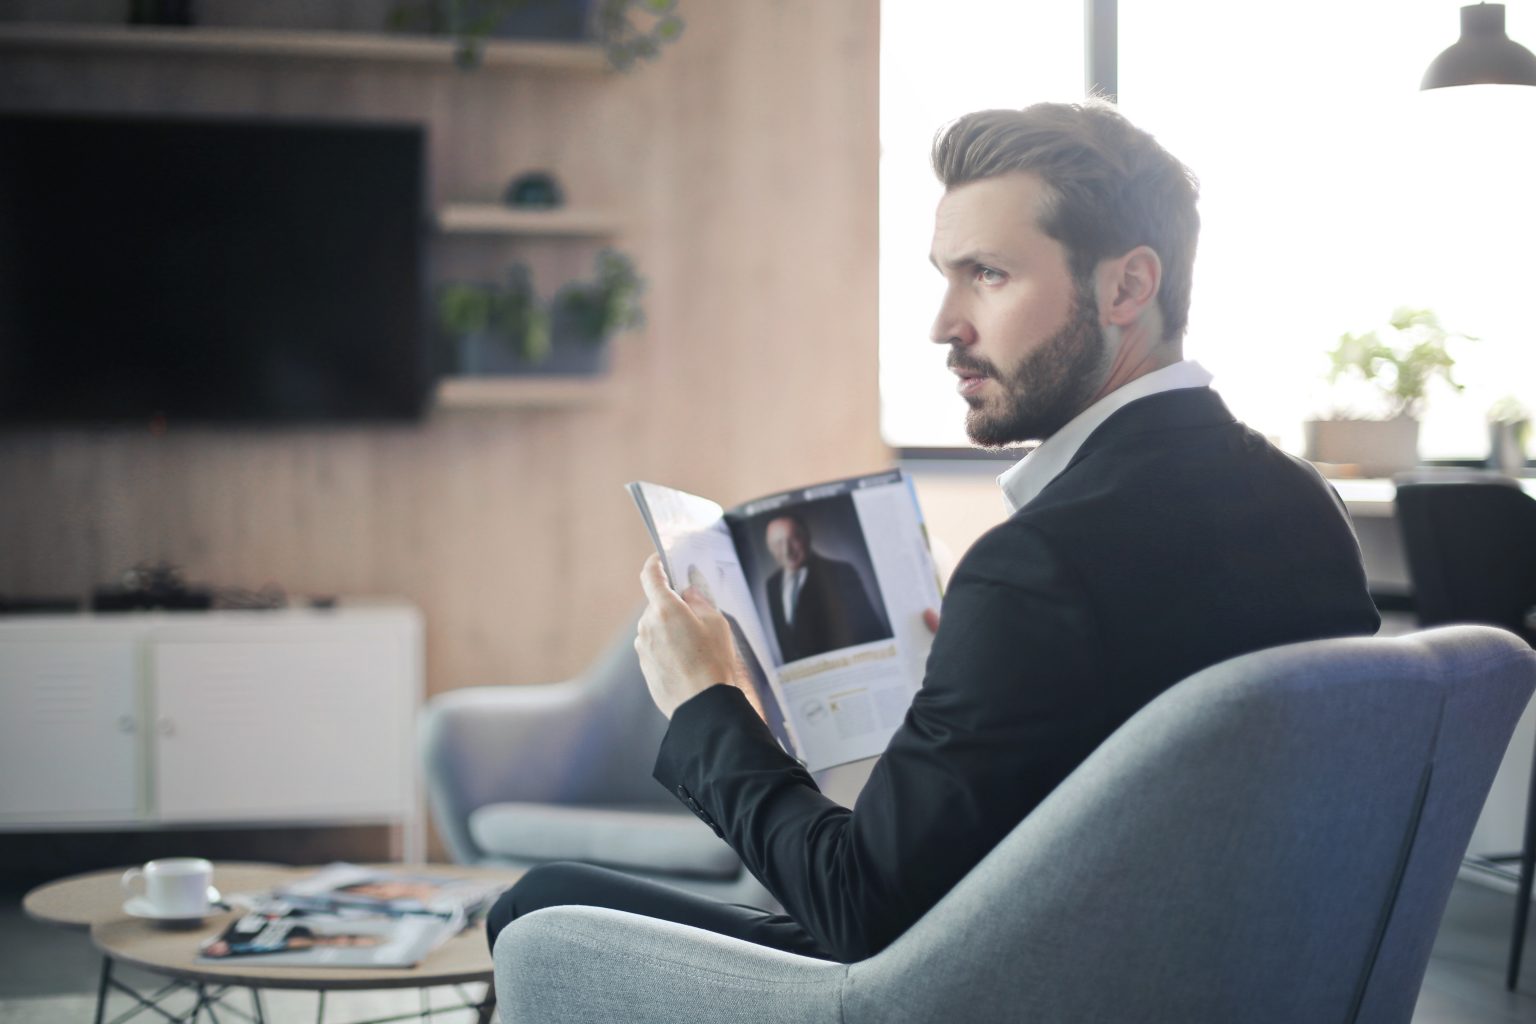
817, 597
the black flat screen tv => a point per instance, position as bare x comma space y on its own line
191, 270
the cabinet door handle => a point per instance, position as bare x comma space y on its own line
167, 727
126, 724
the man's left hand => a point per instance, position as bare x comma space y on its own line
684, 642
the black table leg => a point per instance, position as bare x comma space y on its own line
101, 990
488, 1006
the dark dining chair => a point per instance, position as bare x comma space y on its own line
1471, 550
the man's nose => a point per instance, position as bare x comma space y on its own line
951, 326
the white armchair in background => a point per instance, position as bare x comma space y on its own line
524, 775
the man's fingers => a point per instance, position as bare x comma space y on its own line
701, 605
653, 578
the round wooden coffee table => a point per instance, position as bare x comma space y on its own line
95, 901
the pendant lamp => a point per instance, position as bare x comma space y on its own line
1483, 55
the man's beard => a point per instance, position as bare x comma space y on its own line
1048, 388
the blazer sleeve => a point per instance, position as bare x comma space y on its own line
1008, 706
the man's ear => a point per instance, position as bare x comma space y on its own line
1128, 286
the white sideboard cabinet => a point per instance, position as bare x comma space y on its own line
208, 719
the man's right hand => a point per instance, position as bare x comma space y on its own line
683, 642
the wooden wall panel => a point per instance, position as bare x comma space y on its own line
744, 165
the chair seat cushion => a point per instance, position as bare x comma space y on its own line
662, 841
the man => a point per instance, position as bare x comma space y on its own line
1152, 535
817, 604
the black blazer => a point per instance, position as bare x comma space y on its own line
1175, 539
832, 610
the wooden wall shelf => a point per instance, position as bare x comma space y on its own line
495, 219
511, 392
426, 51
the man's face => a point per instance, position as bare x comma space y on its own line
787, 544
1024, 336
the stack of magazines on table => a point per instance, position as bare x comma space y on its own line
345, 915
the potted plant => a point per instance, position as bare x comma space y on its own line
506, 329
1509, 422
624, 38
588, 313
464, 315
1384, 378
488, 326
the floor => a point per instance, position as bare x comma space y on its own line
1465, 980
49, 975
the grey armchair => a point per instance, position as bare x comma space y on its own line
521, 775
1274, 839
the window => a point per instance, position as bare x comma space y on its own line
1332, 192
938, 61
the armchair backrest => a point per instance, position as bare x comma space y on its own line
618, 740
587, 740
1274, 839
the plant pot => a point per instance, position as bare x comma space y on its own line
1506, 446
484, 354
565, 20
471, 354
567, 359
1378, 447
551, 20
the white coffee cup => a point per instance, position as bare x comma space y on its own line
175, 886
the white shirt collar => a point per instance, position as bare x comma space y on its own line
789, 590
1029, 476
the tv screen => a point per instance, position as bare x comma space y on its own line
203, 271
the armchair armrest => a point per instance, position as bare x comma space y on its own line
653, 972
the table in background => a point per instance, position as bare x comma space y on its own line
95, 902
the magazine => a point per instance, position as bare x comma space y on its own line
280, 933
824, 588
343, 886
348, 915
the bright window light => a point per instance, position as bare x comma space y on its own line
938, 61
1333, 191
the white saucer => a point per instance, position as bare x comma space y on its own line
140, 907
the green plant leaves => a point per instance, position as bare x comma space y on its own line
629, 30
1400, 364
583, 312
464, 308
538, 338
627, 41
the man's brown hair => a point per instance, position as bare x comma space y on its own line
1109, 186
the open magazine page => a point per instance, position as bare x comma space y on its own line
281, 933
697, 550
840, 574
343, 886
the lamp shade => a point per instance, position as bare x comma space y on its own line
1483, 55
